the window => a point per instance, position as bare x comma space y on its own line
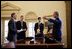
31, 32
5, 30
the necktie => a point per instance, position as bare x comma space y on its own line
14, 25
39, 25
22, 25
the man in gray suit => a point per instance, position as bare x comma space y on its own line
12, 31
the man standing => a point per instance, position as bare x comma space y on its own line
22, 27
39, 27
56, 26
12, 31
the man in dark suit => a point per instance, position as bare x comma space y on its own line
39, 27
12, 31
56, 26
21, 25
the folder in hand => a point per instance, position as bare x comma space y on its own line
20, 30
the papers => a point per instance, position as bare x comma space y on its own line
38, 30
20, 30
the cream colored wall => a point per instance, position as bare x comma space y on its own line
42, 8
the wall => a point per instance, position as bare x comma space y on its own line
42, 8
68, 19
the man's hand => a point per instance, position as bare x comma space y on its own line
18, 31
24, 29
46, 18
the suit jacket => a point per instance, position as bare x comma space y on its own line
41, 28
21, 35
56, 28
11, 30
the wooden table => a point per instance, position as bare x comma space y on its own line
52, 45
23, 44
